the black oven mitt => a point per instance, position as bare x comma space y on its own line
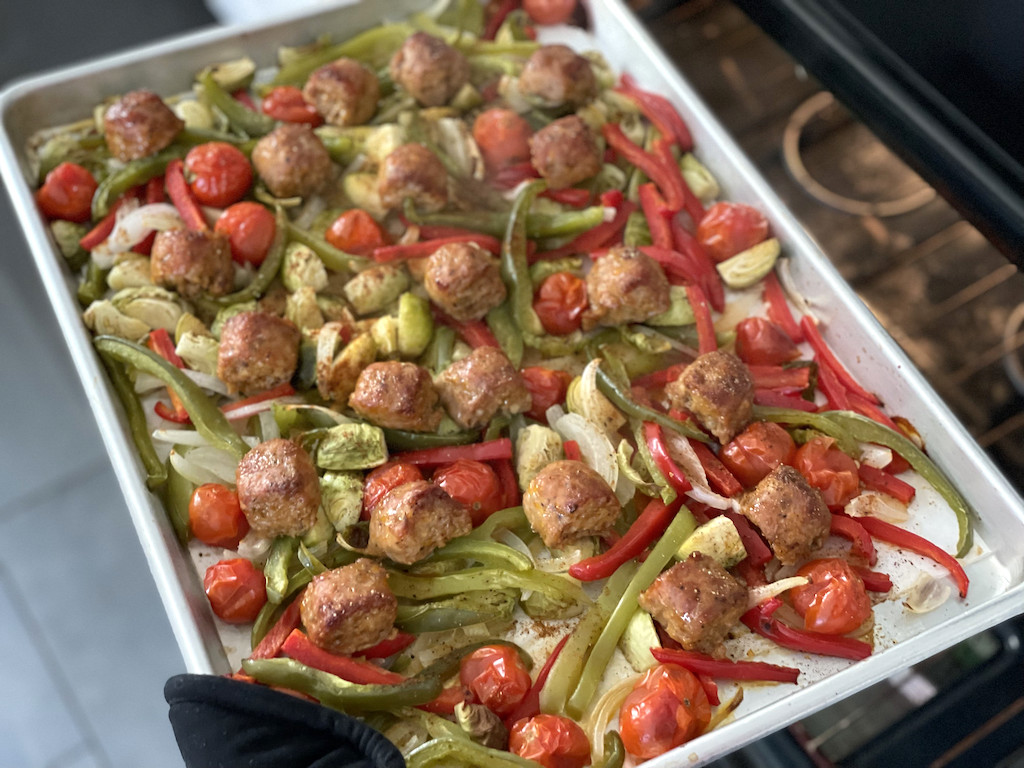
220, 722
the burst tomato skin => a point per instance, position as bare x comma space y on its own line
383, 479
547, 387
474, 485
756, 451
215, 516
250, 229
729, 228
549, 11
220, 174
67, 193
560, 302
356, 232
835, 601
552, 741
761, 342
829, 470
236, 589
496, 677
668, 707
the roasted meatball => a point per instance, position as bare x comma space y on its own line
625, 286
397, 395
429, 69
139, 124
413, 171
278, 488
479, 386
292, 161
414, 519
718, 390
567, 501
192, 263
697, 601
789, 513
345, 92
565, 152
350, 608
556, 76
257, 351
464, 280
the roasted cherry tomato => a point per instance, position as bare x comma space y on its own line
356, 232
250, 228
215, 516
382, 479
835, 601
762, 342
473, 484
496, 677
553, 741
547, 387
756, 451
559, 303
668, 707
549, 11
286, 103
67, 193
503, 137
236, 589
728, 228
829, 470
219, 173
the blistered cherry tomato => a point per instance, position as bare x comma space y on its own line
356, 232
236, 589
762, 342
559, 303
835, 601
668, 707
286, 103
503, 137
215, 516
384, 478
549, 11
829, 470
756, 451
728, 228
553, 741
219, 173
250, 229
67, 193
474, 485
496, 677
547, 387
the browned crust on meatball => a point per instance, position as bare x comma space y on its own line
192, 263
278, 488
344, 92
625, 286
429, 69
718, 389
397, 395
567, 501
556, 76
481, 385
292, 161
413, 171
790, 514
350, 608
565, 152
464, 280
257, 351
139, 124
414, 519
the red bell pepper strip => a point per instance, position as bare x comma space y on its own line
572, 450
601, 236
170, 413
678, 266
281, 390
272, 642
657, 214
242, 96
101, 231
648, 526
758, 553
684, 242
652, 164
492, 450
776, 399
159, 341
445, 703
690, 202
509, 482
761, 621
424, 248
833, 390
706, 340
388, 647
574, 197
827, 358
154, 194
880, 480
302, 649
724, 669
874, 581
476, 333
777, 308
776, 377
906, 540
659, 378
663, 459
530, 704
497, 18
710, 688
849, 528
719, 477
659, 111
872, 411
182, 198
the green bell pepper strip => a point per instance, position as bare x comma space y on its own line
503, 326
512, 518
614, 751
403, 440
266, 273
177, 493
375, 47
432, 587
239, 116
515, 267
132, 175
333, 259
276, 569
662, 553
450, 750
205, 415
488, 553
156, 470
495, 223
624, 402
458, 611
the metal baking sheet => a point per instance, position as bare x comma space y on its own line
996, 565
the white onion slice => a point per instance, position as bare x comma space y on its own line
595, 447
205, 464
253, 409
880, 505
679, 448
757, 595
188, 437
509, 539
133, 226
926, 594
146, 383
254, 547
268, 426
206, 381
874, 455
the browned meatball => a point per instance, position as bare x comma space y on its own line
565, 152
139, 124
292, 161
791, 514
464, 280
278, 488
429, 69
697, 601
349, 608
192, 263
556, 76
257, 351
414, 519
481, 385
625, 286
567, 501
397, 395
718, 390
344, 92
413, 171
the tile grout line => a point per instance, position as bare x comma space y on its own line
34, 496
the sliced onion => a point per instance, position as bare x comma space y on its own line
509, 539
593, 405
874, 455
188, 437
880, 505
595, 447
145, 383
724, 711
546, 560
205, 464
207, 381
295, 404
254, 547
782, 269
268, 426
679, 448
133, 226
757, 595
601, 714
926, 594
253, 409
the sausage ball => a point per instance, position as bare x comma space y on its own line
464, 280
556, 76
565, 152
139, 124
397, 395
413, 171
278, 488
429, 69
790, 514
344, 92
350, 608
414, 519
192, 263
567, 501
257, 351
718, 390
697, 601
625, 286
292, 161
480, 386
